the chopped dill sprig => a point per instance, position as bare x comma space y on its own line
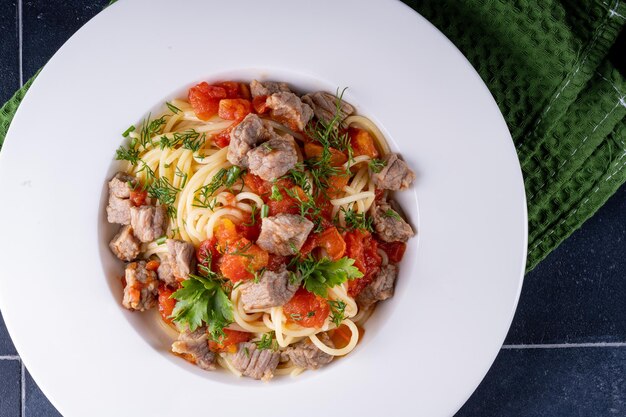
357, 221
337, 308
127, 154
172, 107
150, 128
223, 178
376, 165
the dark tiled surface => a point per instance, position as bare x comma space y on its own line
576, 295
47, 24
9, 51
6, 345
10, 388
572, 382
37, 405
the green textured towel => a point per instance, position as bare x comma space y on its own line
550, 65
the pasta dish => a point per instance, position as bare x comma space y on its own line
260, 223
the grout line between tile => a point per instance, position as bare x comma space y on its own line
23, 384
9, 358
20, 41
566, 345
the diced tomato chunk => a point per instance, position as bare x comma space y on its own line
276, 262
306, 309
362, 247
335, 184
259, 104
205, 98
138, 197
229, 343
362, 143
222, 139
394, 250
232, 88
234, 108
166, 304
226, 232
242, 259
256, 184
251, 228
330, 240
286, 203
208, 251
314, 151
152, 265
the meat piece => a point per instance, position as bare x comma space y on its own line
273, 289
164, 272
255, 363
389, 225
273, 158
380, 288
121, 185
142, 287
395, 175
194, 347
305, 354
267, 88
289, 109
245, 136
118, 210
324, 106
148, 222
284, 234
125, 245
181, 256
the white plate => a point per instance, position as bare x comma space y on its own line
424, 351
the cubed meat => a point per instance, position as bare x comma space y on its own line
121, 185
118, 210
148, 222
244, 137
381, 288
164, 272
273, 158
181, 257
325, 107
267, 88
142, 287
284, 234
395, 175
255, 363
273, 290
389, 225
125, 245
194, 347
289, 109
305, 354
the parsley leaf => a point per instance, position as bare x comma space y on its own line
319, 275
202, 300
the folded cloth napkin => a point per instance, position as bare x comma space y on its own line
553, 67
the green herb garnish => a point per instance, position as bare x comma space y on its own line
172, 107
203, 300
337, 308
319, 275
